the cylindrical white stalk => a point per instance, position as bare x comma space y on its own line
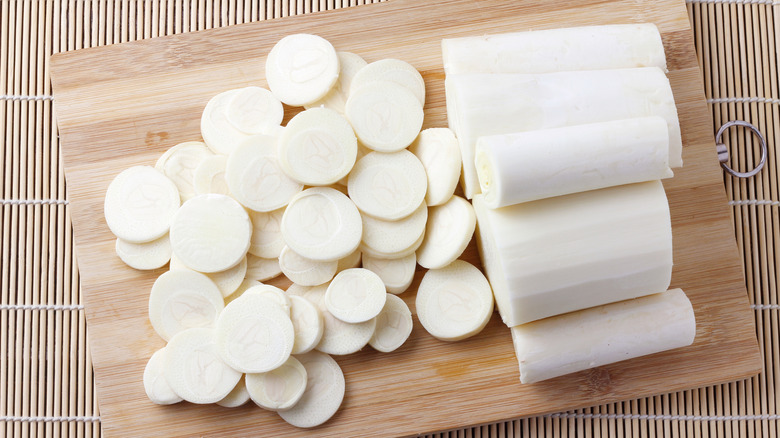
603, 335
550, 50
557, 255
526, 166
490, 104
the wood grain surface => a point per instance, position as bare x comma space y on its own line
123, 105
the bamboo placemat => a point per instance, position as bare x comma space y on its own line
46, 385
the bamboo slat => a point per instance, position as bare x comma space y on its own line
46, 386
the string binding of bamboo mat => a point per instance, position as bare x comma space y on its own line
46, 386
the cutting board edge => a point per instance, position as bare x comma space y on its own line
737, 378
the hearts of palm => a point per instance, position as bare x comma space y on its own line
268, 225
297, 264
389, 188
321, 151
433, 154
147, 200
457, 302
391, 323
319, 221
302, 319
441, 233
262, 182
203, 245
182, 169
381, 120
191, 311
389, 270
354, 293
218, 183
393, 319
251, 339
206, 371
307, 64
218, 113
197, 249
275, 387
317, 383
248, 110
160, 387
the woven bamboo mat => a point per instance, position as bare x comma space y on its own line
46, 384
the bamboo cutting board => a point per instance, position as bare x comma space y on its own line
123, 105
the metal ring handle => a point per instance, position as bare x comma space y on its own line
723, 154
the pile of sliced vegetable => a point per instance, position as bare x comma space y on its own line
563, 137
344, 201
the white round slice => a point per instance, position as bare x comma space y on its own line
306, 272
349, 64
386, 116
261, 269
157, 388
393, 70
308, 324
362, 151
439, 153
227, 281
254, 335
280, 388
322, 223
145, 256
318, 147
338, 337
210, 233
393, 325
350, 261
237, 397
273, 294
301, 69
276, 131
388, 186
179, 164
355, 295
267, 240
449, 230
219, 134
194, 369
392, 237
396, 274
367, 250
180, 300
161, 161
324, 392
209, 176
255, 178
312, 293
454, 302
243, 287
255, 110
302, 291
140, 204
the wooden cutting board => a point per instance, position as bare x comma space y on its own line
123, 105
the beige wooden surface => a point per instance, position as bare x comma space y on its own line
56, 397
